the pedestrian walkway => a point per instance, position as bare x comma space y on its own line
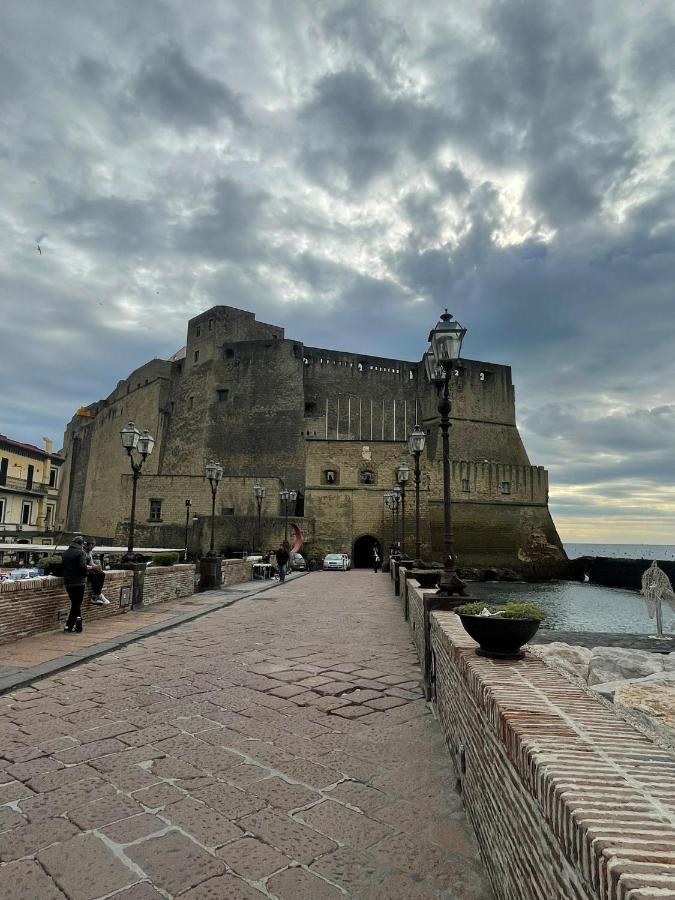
279, 747
24, 660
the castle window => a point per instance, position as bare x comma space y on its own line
196, 357
227, 511
505, 487
53, 473
367, 476
191, 400
223, 394
155, 511
229, 353
173, 406
310, 408
465, 485
330, 476
179, 367
210, 324
199, 331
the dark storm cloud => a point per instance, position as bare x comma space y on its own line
170, 88
347, 169
354, 131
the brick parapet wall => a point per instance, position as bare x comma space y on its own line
35, 605
236, 570
569, 802
168, 583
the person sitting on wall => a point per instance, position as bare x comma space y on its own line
95, 576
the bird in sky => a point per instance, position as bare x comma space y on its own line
39, 249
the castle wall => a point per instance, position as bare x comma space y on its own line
267, 407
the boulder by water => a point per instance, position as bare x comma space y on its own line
619, 663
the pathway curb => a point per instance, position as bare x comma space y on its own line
26, 677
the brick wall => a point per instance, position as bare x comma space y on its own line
568, 801
236, 570
41, 604
168, 582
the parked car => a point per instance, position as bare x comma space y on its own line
336, 561
298, 563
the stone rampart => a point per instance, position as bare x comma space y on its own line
568, 801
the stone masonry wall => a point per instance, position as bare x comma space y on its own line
36, 605
568, 801
235, 571
168, 583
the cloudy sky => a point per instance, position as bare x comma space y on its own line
346, 170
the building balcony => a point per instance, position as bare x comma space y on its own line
21, 486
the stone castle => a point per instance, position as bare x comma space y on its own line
331, 425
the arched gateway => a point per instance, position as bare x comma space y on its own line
362, 555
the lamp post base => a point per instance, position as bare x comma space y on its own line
211, 574
451, 584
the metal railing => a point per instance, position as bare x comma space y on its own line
23, 486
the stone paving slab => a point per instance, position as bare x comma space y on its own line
25, 660
170, 766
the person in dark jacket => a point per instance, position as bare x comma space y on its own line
74, 580
282, 556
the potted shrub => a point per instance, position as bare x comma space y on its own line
164, 559
501, 630
51, 565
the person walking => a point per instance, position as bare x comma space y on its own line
282, 557
75, 572
377, 562
95, 576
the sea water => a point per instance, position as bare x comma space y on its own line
575, 606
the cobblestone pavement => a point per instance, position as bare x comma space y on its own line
277, 748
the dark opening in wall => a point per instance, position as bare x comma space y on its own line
227, 511
223, 394
310, 408
199, 331
367, 476
229, 353
155, 511
505, 487
331, 476
210, 324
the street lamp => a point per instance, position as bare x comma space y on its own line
135, 441
446, 346
402, 476
213, 472
259, 493
188, 506
392, 499
286, 498
416, 442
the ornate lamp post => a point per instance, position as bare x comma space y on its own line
210, 568
392, 500
259, 493
286, 498
133, 440
214, 472
446, 346
188, 507
402, 476
416, 442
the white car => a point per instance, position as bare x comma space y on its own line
336, 561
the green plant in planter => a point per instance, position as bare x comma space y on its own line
164, 559
505, 611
